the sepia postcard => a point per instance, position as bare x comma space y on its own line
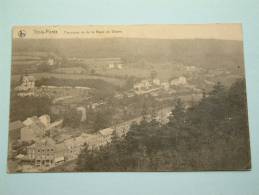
128, 98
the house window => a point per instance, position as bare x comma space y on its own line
38, 163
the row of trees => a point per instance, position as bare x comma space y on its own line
24, 107
92, 83
114, 111
95, 120
212, 134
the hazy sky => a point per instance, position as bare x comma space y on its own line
193, 31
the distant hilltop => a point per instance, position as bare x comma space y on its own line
198, 52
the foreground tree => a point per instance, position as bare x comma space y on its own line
211, 135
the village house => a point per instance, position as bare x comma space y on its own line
119, 66
156, 81
36, 128
138, 86
179, 81
31, 133
111, 66
122, 129
15, 130
26, 88
142, 86
45, 153
106, 135
165, 86
33, 129
96, 105
51, 61
93, 141
28, 82
60, 153
45, 119
74, 147
191, 68
42, 153
118, 96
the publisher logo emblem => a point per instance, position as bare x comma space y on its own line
21, 33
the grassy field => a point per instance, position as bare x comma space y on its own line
114, 81
164, 71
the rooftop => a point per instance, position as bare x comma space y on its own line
29, 77
47, 141
106, 132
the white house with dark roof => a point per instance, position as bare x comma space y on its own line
179, 81
26, 88
15, 130
106, 135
